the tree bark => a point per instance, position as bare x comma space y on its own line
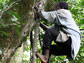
18, 56
13, 41
36, 34
35, 40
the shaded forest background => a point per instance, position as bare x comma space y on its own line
20, 34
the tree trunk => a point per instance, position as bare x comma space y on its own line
44, 6
35, 40
13, 41
18, 56
35, 35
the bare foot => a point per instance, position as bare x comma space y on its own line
42, 57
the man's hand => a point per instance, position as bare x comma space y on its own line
36, 7
37, 10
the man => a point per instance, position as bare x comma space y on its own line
64, 32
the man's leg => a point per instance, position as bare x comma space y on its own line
61, 48
49, 36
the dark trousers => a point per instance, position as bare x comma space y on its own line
61, 48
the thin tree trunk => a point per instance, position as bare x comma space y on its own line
36, 34
35, 40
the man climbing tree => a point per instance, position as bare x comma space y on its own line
64, 32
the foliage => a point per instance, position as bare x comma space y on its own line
75, 6
5, 5
26, 57
77, 9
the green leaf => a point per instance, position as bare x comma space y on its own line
18, 32
82, 2
0, 1
1, 6
82, 26
15, 14
53, 43
3, 26
4, 33
8, 0
82, 21
4, 2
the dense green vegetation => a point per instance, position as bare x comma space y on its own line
75, 6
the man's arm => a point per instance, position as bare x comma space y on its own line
44, 27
